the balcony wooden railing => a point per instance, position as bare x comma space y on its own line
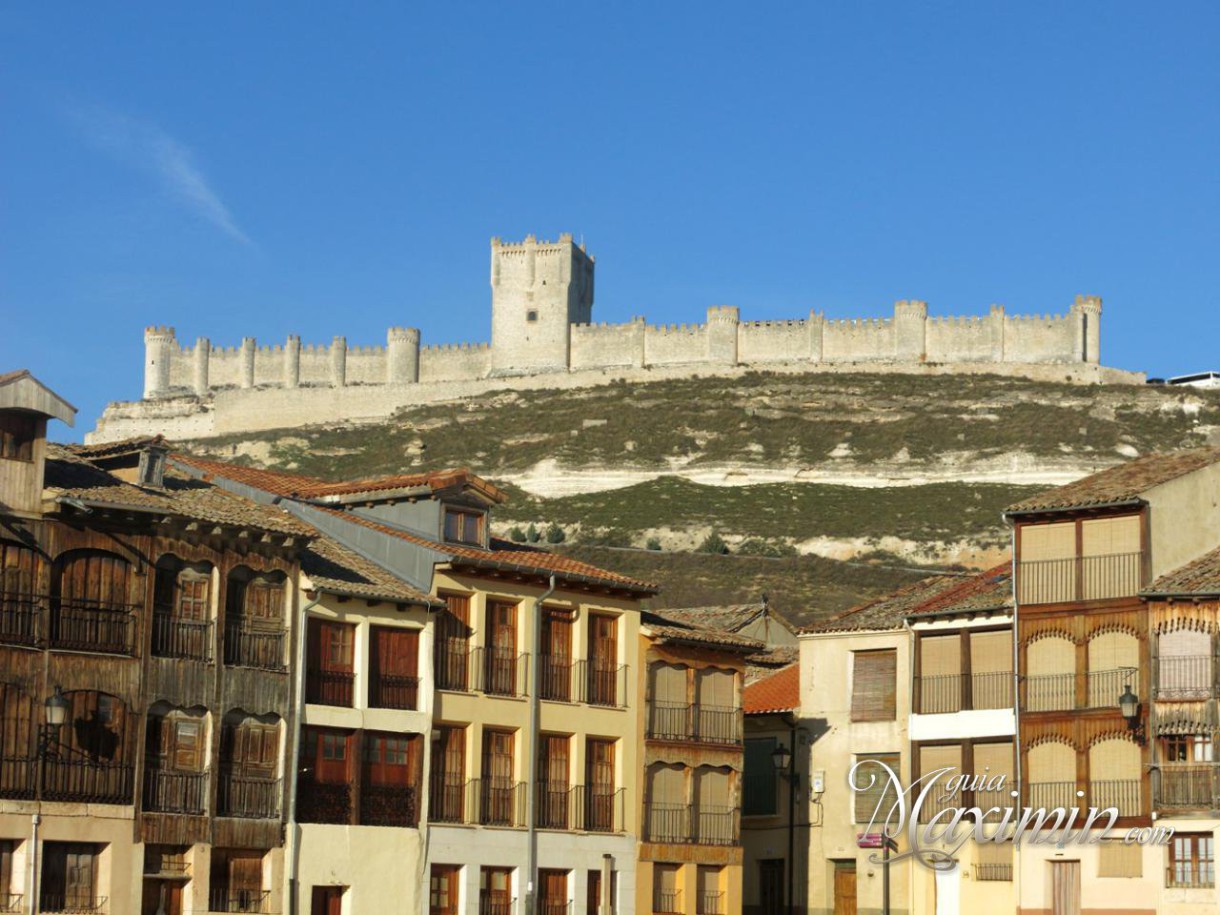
389, 691
20, 617
16, 777
329, 687
1056, 581
319, 802
227, 900
247, 797
960, 692
252, 646
556, 677
680, 721
1059, 692
1187, 786
174, 637
166, 791
389, 805
1186, 677
84, 780
86, 625
53, 903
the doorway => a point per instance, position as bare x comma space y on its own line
771, 886
161, 897
845, 888
1065, 887
327, 900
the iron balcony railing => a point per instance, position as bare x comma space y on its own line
553, 804
226, 900
554, 906
602, 683
329, 687
52, 903
716, 826
85, 780
16, 777
87, 625
166, 791
501, 801
174, 637
993, 872
1056, 692
680, 721
20, 616
389, 805
1191, 875
320, 802
447, 798
556, 677
1189, 677
391, 691
711, 904
1057, 581
247, 797
501, 671
1125, 795
586, 808
253, 646
1187, 786
495, 905
451, 663
678, 823
1049, 795
947, 693
667, 902
11, 902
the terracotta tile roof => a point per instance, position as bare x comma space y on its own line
766, 662
506, 555
888, 611
780, 692
334, 568
729, 618
69, 475
1123, 483
281, 483
116, 448
990, 590
1200, 577
666, 625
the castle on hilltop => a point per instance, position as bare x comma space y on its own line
542, 335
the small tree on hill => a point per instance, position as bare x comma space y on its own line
531, 533
654, 543
555, 534
713, 543
516, 535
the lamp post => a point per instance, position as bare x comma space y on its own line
55, 712
785, 764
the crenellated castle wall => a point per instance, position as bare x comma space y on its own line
541, 302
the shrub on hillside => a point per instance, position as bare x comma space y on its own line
771, 549
610, 536
654, 543
555, 534
516, 535
531, 534
713, 543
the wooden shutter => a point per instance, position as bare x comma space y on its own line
599, 765
264, 600
245, 874
930, 760
95, 578
498, 757
450, 752
1117, 859
557, 633
443, 890
502, 623
194, 587
20, 570
717, 688
879, 790
874, 684
603, 642
669, 684
396, 651
554, 761
188, 743
80, 875
991, 652
667, 786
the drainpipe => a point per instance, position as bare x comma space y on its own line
792, 815
1016, 701
531, 871
294, 832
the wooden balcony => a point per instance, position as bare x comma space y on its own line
1187, 786
694, 723
84, 780
166, 791
95, 626
247, 797
1080, 578
20, 618
174, 637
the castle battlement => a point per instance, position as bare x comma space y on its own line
542, 302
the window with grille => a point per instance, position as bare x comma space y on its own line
1192, 861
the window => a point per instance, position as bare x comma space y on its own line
1051, 775
667, 812
254, 620
603, 660
236, 881
715, 817
994, 861
594, 899
874, 685
991, 669
554, 779
8, 902
666, 888
716, 718
599, 781
1050, 681
873, 788
556, 653
17, 434
940, 668
1118, 762
1117, 859
498, 778
443, 889
500, 660
1184, 665
710, 882
451, 652
1192, 861
330, 674
463, 526
388, 790
395, 659
933, 759
553, 895
93, 609
495, 891
182, 610
531, 315
761, 780
1113, 661
69, 877
447, 788
1188, 748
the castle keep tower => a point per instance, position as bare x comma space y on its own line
539, 289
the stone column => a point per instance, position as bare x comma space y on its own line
292, 362
159, 345
402, 355
338, 362
203, 353
247, 362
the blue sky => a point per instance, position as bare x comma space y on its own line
266, 169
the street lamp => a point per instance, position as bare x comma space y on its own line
785, 763
1129, 707
55, 712
57, 707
